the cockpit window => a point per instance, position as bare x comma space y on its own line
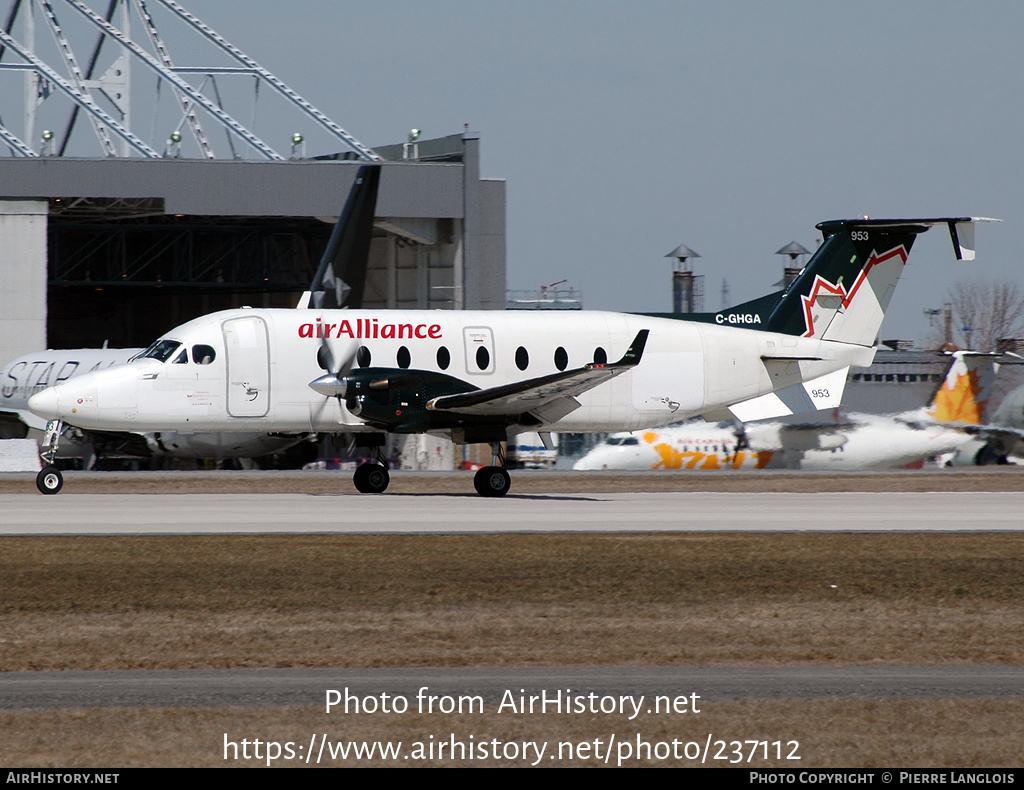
203, 355
182, 358
161, 350
622, 440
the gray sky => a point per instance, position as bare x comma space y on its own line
625, 128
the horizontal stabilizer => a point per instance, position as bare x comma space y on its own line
825, 392
961, 229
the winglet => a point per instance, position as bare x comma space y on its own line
636, 350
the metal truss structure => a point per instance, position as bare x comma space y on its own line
106, 98
271, 254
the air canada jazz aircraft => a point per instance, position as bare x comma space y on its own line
863, 441
480, 376
338, 283
1003, 437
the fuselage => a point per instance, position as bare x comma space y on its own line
865, 442
23, 377
32, 373
250, 369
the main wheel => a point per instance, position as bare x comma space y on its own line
49, 480
492, 481
371, 479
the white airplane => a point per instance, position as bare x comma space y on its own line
31, 373
23, 377
1003, 436
347, 251
481, 376
863, 441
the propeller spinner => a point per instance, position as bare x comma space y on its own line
334, 383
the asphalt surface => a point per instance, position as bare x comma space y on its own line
272, 687
248, 514
226, 503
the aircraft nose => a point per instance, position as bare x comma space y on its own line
584, 464
45, 404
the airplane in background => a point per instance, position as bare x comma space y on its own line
1003, 437
31, 373
863, 441
481, 376
28, 374
337, 283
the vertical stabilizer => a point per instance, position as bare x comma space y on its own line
965, 392
341, 276
843, 292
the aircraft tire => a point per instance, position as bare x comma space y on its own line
371, 479
49, 480
492, 481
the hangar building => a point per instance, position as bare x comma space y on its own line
121, 250
120, 245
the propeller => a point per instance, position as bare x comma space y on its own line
740, 432
333, 384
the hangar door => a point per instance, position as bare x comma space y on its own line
248, 367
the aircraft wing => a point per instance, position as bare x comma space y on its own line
1002, 439
548, 398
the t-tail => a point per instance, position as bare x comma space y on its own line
843, 291
340, 278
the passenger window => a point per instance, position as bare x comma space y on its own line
403, 357
203, 355
483, 358
600, 356
561, 358
444, 359
363, 357
522, 358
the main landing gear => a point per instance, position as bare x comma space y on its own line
490, 481
50, 480
493, 480
372, 477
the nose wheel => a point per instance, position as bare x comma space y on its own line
50, 480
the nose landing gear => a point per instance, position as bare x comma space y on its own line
50, 480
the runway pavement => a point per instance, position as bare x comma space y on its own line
197, 514
271, 687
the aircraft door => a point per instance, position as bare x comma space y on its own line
479, 341
248, 366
